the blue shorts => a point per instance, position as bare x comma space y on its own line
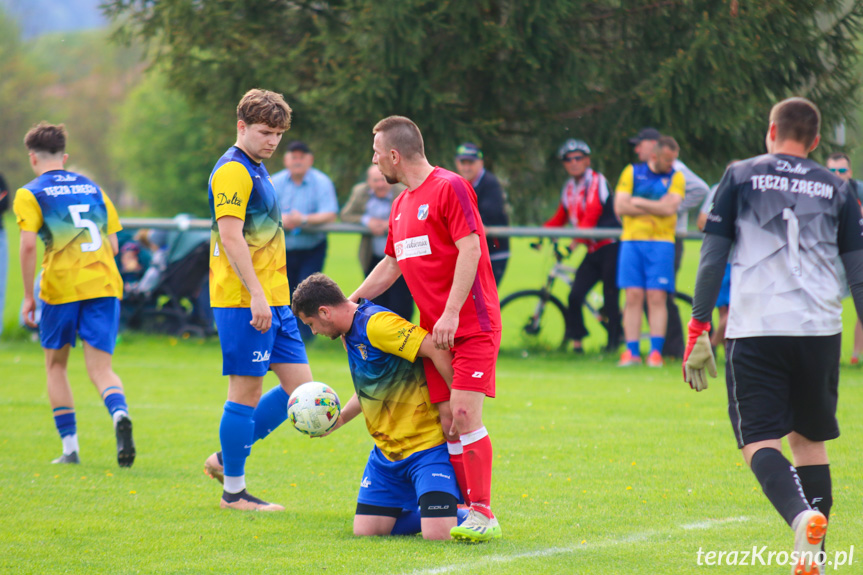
646, 265
246, 351
401, 483
95, 320
725, 291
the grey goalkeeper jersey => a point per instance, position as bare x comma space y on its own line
790, 219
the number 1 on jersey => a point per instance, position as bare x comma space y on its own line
793, 231
76, 210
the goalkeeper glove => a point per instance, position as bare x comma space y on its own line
698, 357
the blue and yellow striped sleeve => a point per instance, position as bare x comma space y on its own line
625, 183
232, 186
678, 184
114, 225
28, 213
395, 335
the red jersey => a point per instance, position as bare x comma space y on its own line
424, 226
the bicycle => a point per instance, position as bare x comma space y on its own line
540, 317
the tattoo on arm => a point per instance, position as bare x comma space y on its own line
240, 275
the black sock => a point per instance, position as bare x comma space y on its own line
780, 483
817, 487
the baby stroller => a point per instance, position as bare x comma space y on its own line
172, 297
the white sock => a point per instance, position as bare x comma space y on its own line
117, 415
70, 444
235, 484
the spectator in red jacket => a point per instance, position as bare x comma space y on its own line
586, 202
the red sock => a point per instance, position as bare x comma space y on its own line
477, 469
457, 460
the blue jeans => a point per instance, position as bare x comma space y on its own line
4, 267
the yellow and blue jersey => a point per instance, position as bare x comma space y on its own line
639, 181
390, 383
74, 219
242, 188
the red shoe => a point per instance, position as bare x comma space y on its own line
627, 359
655, 359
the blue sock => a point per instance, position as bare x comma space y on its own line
632, 346
657, 342
271, 412
65, 423
235, 433
116, 401
410, 521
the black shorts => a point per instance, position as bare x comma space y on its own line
779, 384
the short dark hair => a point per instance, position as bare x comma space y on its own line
264, 107
668, 143
402, 135
313, 292
839, 156
796, 119
46, 138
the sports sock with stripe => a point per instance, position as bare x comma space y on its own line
68, 430
115, 402
456, 457
477, 469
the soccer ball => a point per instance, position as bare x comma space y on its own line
314, 408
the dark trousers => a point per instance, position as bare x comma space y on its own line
674, 344
398, 297
497, 268
302, 264
600, 265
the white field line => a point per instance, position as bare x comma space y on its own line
550, 551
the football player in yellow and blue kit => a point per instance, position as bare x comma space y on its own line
250, 295
80, 287
409, 463
646, 200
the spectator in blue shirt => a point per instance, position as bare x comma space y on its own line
306, 196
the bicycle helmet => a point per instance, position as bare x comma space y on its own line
573, 145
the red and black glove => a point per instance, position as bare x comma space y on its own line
698, 356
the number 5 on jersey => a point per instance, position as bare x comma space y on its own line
76, 210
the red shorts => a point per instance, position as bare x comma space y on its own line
473, 360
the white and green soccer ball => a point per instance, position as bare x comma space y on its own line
314, 408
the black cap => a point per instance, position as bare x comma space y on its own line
645, 134
468, 151
298, 146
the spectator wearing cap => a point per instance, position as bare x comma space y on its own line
491, 201
646, 199
587, 203
370, 205
695, 193
306, 197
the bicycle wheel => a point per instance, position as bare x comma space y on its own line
533, 319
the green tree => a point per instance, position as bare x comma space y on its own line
164, 149
22, 84
516, 77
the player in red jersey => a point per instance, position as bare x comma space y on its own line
437, 241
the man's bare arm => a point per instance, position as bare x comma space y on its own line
667, 205
624, 206
469, 252
27, 254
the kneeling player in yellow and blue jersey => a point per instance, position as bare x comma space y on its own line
409, 463
80, 287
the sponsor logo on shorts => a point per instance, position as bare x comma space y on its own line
413, 247
260, 357
662, 281
478, 374
423, 212
441, 475
366, 483
438, 507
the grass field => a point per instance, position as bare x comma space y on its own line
597, 469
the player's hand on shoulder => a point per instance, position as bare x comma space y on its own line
443, 334
262, 315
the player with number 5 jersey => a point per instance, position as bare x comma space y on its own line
80, 287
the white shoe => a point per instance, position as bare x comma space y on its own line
808, 536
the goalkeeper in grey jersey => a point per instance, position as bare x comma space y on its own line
783, 219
